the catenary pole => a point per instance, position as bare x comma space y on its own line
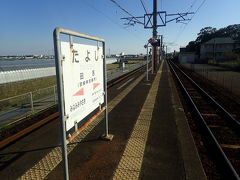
166, 52
154, 34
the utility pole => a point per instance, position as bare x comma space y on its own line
149, 20
154, 35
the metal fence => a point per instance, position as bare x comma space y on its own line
14, 108
25, 74
225, 78
17, 107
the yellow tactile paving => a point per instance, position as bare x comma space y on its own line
130, 164
123, 174
53, 158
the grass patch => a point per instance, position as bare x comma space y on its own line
127, 64
4, 127
14, 89
233, 65
135, 61
112, 67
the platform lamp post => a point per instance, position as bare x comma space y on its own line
146, 46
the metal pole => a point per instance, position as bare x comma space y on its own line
147, 64
105, 91
214, 56
154, 18
154, 33
161, 46
55, 97
152, 61
31, 101
58, 60
105, 136
159, 57
166, 52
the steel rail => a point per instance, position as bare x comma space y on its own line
225, 112
124, 76
5, 142
27, 130
226, 163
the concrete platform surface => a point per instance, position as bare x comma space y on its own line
152, 139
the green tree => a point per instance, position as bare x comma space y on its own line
192, 46
232, 31
206, 34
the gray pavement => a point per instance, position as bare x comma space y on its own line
170, 150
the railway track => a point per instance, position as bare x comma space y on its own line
41, 122
218, 126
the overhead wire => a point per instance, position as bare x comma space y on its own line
123, 9
199, 7
193, 3
109, 18
145, 10
143, 6
185, 25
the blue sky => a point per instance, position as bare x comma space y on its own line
27, 25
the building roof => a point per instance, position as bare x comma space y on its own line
224, 40
187, 53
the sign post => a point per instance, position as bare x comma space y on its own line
106, 136
82, 84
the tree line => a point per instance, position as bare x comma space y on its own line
208, 33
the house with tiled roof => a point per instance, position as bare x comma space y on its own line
218, 48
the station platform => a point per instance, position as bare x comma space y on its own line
152, 139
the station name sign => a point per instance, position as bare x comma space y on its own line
83, 80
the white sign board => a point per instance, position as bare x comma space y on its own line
83, 80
